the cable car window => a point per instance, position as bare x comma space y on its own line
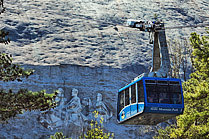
150, 81
164, 98
152, 96
121, 100
127, 102
162, 88
175, 90
174, 83
162, 82
176, 98
133, 93
164, 94
169, 93
140, 91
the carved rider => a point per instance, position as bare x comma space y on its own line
102, 109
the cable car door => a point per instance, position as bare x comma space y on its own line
140, 96
126, 113
124, 105
132, 93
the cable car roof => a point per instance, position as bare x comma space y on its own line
147, 78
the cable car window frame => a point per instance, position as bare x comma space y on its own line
133, 93
127, 97
152, 96
140, 89
162, 92
121, 97
175, 88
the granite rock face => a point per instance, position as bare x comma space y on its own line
83, 44
82, 91
83, 32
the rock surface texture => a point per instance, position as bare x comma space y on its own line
84, 44
96, 89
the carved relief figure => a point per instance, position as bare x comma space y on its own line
54, 117
60, 99
58, 114
45, 120
74, 118
73, 108
86, 107
102, 109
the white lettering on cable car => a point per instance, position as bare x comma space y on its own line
154, 108
163, 109
174, 109
128, 114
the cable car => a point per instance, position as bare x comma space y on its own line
151, 98
149, 101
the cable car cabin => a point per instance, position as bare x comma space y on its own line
149, 101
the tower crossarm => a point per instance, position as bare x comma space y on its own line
160, 56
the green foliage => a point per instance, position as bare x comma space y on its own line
10, 71
194, 123
200, 57
3, 37
14, 103
96, 131
3, 34
2, 6
155, 16
11, 103
58, 135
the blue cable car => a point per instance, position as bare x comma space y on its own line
149, 101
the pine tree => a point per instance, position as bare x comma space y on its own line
194, 123
12, 103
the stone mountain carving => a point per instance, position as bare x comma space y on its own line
58, 114
87, 108
102, 109
74, 120
74, 108
73, 116
54, 118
